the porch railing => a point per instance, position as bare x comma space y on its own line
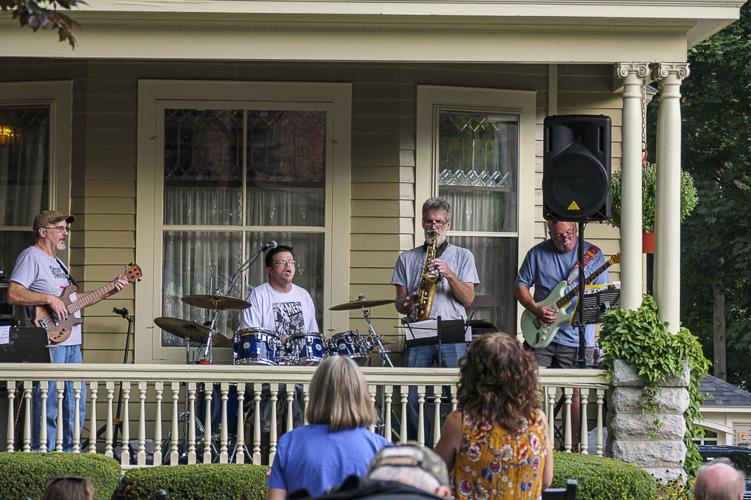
149, 392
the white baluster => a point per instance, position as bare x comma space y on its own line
240, 444
191, 416
550, 393
10, 444
568, 394
404, 391
76, 417
272, 437
584, 438
223, 455
93, 391
28, 387
387, 397
207, 431
60, 386
159, 388
437, 413
290, 388
372, 391
174, 455
421, 415
257, 423
142, 424
306, 400
110, 386
600, 400
125, 442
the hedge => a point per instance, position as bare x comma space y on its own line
602, 478
199, 481
27, 474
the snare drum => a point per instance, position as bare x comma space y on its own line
350, 344
256, 346
305, 348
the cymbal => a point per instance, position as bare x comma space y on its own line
357, 304
218, 302
191, 331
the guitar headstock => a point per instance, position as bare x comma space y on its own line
132, 273
615, 259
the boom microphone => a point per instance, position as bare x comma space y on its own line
269, 246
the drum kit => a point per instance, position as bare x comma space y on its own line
260, 346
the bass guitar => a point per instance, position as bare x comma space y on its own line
540, 334
59, 330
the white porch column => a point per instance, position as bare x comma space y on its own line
631, 202
667, 284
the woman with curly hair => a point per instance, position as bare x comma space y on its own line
496, 444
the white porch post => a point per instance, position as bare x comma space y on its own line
631, 202
668, 210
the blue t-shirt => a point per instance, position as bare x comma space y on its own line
544, 267
315, 458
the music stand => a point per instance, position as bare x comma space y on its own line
596, 304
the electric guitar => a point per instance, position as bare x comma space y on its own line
59, 330
540, 334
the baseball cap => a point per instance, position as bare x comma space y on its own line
411, 455
46, 217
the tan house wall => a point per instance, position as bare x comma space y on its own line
383, 201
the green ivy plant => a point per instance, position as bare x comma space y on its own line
641, 338
689, 197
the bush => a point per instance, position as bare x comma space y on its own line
27, 474
602, 478
199, 481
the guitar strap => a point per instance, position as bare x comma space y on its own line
591, 252
71, 280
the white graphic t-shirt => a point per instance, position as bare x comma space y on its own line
284, 313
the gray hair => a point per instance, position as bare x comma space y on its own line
436, 203
719, 480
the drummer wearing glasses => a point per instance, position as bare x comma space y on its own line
280, 305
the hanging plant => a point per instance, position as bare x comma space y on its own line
689, 197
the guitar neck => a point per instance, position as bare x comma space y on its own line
90, 298
589, 279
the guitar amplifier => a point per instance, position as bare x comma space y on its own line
23, 344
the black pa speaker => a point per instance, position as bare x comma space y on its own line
576, 168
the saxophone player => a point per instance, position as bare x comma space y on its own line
453, 292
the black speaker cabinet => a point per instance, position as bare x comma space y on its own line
576, 168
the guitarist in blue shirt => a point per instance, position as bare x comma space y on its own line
546, 265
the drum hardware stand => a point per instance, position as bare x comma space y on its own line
376, 338
117, 421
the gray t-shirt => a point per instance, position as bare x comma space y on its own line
38, 272
409, 268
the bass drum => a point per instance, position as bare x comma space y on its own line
351, 344
305, 349
256, 346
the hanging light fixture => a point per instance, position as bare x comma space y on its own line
7, 134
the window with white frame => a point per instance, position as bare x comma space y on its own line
476, 149
219, 179
34, 160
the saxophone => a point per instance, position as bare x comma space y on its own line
429, 278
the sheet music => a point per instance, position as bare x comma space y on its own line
4, 335
429, 329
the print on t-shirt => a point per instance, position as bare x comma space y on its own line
57, 272
288, 318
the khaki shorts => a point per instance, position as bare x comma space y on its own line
560, 356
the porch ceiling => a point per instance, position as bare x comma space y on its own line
557, 31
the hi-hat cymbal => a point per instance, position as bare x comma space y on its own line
191, 331
217, 302
359, 303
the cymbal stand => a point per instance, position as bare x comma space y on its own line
376, 338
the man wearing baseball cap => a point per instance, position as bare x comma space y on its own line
38, 279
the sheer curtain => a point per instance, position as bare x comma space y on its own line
24, 176
283, 170
478, 172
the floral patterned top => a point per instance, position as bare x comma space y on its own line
493, 463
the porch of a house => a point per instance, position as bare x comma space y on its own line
157, 401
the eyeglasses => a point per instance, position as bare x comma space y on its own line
564, 235
284, 263
57, 228
434, 222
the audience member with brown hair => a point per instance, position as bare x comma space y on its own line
69, 488
336, 443
496, 444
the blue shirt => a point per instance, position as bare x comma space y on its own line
315, 458
544, 267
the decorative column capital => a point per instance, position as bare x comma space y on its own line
623, 69
664, 70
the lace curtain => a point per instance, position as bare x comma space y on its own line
210, 181
478, 174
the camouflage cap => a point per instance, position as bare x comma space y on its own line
411, 455
46, 217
